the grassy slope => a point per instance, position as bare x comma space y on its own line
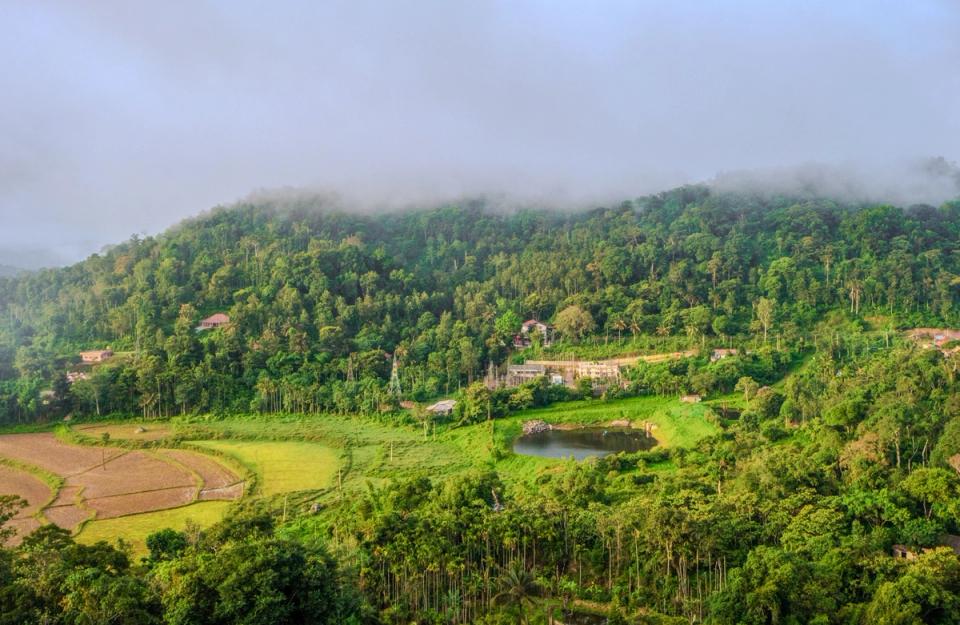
677, 425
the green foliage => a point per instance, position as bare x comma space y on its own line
824, 441
574, 322
319, 300
165, 544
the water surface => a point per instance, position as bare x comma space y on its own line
582, 442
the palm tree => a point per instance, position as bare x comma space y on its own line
663, 330
619, 325
517, 587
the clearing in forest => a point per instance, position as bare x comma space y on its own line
378, 451
282, 466
623, 361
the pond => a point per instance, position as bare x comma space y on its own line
582, 442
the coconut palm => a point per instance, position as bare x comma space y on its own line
517, 587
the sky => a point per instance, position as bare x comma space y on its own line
123, 117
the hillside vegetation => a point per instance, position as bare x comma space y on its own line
319, 300
817, 482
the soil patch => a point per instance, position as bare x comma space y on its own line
30, 488
134, 503
46, 451
214, 474
133, 472
67, 516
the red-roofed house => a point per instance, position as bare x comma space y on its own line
214, 321
96, 355
529, 327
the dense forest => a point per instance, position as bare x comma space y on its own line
845, 442
320, 300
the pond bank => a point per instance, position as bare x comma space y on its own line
542, 440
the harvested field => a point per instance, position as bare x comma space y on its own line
131, 483
142, 501
32, 489
213, 473
133, 472
68, 495
106, 482
67, 516
22, 527
49, 453
127, 431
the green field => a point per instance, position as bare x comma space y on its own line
312, 453
282, 466
372, 451
135, 528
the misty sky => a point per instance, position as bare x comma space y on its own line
119, 118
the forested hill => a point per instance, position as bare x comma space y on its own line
320, 300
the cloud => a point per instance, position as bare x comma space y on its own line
122, 118
922, 181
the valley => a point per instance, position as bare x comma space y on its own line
148, 475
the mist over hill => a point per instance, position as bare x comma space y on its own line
6, 271
491, 313
554, 105
316, 292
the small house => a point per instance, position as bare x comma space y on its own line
930, 338
903, 552
76, 376
952, 541
531, 328
693, 398
518, 374
443, 408
946, 540
720, 354
96, 355
213, 321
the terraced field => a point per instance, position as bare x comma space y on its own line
46, 451
218, 481
32, 489
283, 466
105, 482
109, 492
